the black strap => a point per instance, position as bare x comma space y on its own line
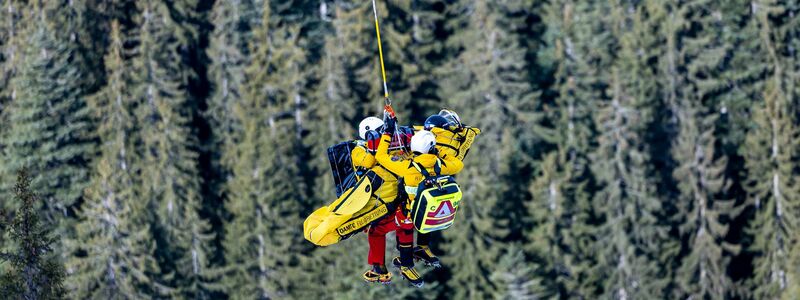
437, 167
421, 170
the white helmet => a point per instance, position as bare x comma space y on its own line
369, 123
423, 141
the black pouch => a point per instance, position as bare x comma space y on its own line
344, 175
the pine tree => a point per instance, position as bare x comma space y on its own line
9, 43
170, 179
50, 128
113, 251
563, 238
691, 65
487, 85
34, 272
266, 191
771, 156
548, 225
76, 25
230, 54
336, 104
414, 49
632, 240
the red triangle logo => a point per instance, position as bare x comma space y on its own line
445, 209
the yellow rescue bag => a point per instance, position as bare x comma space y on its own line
351, 212
437, 200
455, 142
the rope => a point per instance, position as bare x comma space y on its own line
380, 53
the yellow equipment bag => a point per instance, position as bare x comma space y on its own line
355, 209
455, 142
436, 202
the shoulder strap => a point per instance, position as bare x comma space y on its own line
437, 168
420, 169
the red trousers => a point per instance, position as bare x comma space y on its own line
404, 230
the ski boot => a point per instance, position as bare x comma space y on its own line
409, 273
378, 274
425, 254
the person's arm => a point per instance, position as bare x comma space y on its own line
451, 165
384, 159
362, 158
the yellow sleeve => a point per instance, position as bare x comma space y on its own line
384, 159
362, 158
451, 165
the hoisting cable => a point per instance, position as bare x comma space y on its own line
387, 101
387, 104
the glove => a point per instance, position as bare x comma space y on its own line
390, 126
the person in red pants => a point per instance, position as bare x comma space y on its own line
376, 234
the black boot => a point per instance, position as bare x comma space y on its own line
425, 254
405, 262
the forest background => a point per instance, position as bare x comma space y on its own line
631, 149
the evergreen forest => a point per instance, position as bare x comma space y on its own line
630, 149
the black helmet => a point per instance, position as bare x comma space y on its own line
451, 117
436, 121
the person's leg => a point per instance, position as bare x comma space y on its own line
405, 244
423, 251
376, 236
423, 239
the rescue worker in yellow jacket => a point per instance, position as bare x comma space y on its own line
453, 139
372, 198
423, 148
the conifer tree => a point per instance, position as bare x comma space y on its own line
336, 104
548, 225
34, 270
113, 251
692, 62
75, 25
9, 43
633, 240
50, 128
230, 54
793, 275
266, 191
773, 151
487, 84
565, 244
170, 179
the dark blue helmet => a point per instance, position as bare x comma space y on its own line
436, 121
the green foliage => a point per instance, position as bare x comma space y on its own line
170, 181
513, 276
113, 251
230, 53
34, 272
621, 140
489, 90
50, 129
771, 163
266, 189
693, 59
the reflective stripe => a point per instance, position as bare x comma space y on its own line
411, 190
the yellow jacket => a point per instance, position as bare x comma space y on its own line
404, 169
453, 143
358, 206
363, 159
